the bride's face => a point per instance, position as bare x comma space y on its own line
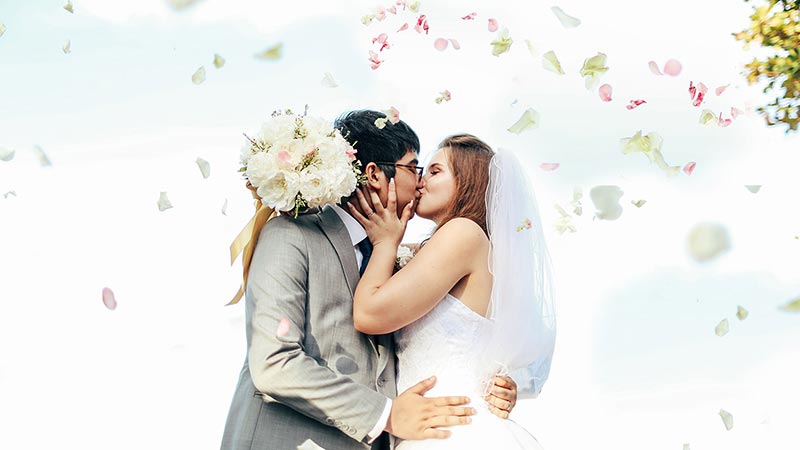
438, 187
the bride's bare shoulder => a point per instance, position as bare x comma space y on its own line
461, 232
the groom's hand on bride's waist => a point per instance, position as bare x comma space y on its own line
414, 416
502, 397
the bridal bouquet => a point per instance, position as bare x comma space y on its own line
299, 162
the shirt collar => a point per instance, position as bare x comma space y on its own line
354, 229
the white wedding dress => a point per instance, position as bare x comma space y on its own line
445, 343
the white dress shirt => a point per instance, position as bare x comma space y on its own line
358, 234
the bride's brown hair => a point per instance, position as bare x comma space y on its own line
469, 158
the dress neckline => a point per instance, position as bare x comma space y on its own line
458, 301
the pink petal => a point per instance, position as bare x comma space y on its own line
700, 96
692, 90
635, 103
403, 28
736, 112
380, 13
654, 68
470, 16
723, 122
673, 68
380, 39
392, 9
108, 299
721, 89
440, 44
605, 92
455, 43
493, 25
549, 167
702, 88
422, 24
373, 59
689, 168
283, 327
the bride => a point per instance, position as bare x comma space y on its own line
475, 301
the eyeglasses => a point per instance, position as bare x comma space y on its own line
418, 169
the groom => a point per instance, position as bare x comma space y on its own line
309, 374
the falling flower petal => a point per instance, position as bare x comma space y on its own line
374, 61
736, 112
225, 208
549, 167
689, 168
328, 81
2, 29
605, 92
606, 202
551, 63
205, 167
422, 24
525, 225
163, 202
707, 241
199, 75
7, 194
566, 20
493, 25
470, 16
444, 96
531, 47
634, 104
309, 445
650, 145
707, 117
182, 4
792, 306
577, 207
727, 419
381, 122
502, 43
380, 13
455, 44
686, 447
414, 6
272, 53
283, 327
673, 68
7, 154
44, 161
440, 44
219, 61
697, 93
392, 114
403, 28
108, 299
638, 203
67, 47
593, 68
718, 91
528, 120
366, 20
382, 40
753, 188
654, 68
564, 224
741, 313
723, 122
68, 7
392, 9
722, 328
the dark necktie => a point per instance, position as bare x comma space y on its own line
366, 251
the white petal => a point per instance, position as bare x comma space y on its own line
722, 328
199, 75
219, 61
69, 8
741, 313
7, 154
528, 120
225, 208
67, 47
309, 445
44, 161
727, 419
686, 447
606, 202
638, 203
754, 188
205, 167
707, 241
14, 193
328, 81
163, 202
565, 19
2, 28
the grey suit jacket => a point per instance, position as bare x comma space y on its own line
318, 378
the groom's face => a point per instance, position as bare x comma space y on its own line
406, 181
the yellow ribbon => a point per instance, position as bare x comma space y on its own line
246, 242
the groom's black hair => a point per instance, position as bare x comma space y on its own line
373, 144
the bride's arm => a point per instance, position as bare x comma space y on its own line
384, 303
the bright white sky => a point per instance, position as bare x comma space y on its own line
637, 363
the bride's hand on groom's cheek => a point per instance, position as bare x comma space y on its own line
381, 222
414, 416
503, 396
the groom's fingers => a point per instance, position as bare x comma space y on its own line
423, 386
450, 401
433, 433
505, 405
448, 421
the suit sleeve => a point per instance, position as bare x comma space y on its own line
279, 364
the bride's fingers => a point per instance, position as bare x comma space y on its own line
358, 216
376, 201
391, 204
365, 206
408, 211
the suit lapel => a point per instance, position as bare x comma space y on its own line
337, 234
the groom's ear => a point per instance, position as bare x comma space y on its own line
374, 175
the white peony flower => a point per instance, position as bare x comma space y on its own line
404, 255
280, 190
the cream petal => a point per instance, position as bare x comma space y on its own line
638, 203
2, 29
68, 7
606, 202
219, 61
163, 202
528, 120
502, 43
44, 161
199, 75
225, 208
566, 20
67, 47
707, 241
793, 305
722, 328
753, 188
727, 419
7, 154
182, 4
272, 53
741, 313
205, 167
550, 62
